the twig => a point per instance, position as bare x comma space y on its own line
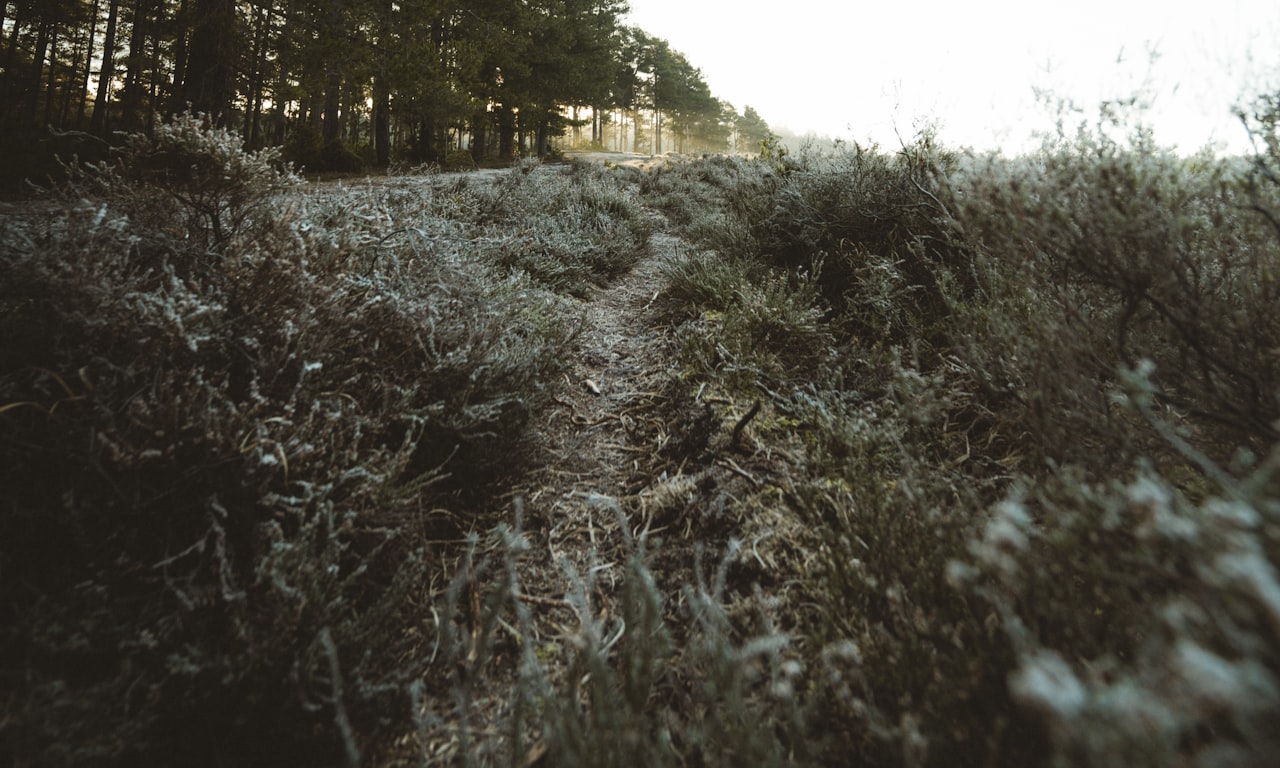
339, 710
732, 466
742, 423
547, 601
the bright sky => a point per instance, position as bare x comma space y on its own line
859, 71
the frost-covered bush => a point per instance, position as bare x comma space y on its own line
1031, 571
699, 198
699, 194
891, 491
633, 680
874, 220
209, 462
1146, 625
191, 185
1094, 254
565, 230
870, 219
749, 330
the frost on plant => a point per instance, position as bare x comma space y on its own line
1047, 683
219, 409
1199, 680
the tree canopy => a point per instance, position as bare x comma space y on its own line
346, 82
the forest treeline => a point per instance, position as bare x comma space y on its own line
343, 83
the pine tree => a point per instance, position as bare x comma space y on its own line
752, 131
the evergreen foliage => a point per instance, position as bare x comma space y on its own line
346, 83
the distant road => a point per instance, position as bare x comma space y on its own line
630, 159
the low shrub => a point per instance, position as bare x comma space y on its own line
336, 156
876, 222
215, 428
966, 451
713, 200
1095, 255
570, 230
1145, 623
186, 188
751, 331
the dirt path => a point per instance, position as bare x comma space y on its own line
628, 452
627, 444
604, 438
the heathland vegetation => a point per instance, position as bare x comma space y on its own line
1028, 409
886, 457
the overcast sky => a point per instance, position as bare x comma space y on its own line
858, 70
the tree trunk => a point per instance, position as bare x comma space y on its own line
349, 114
131, 99
83, 96
280, 98
101, 103
31, 93
153, 95
52, 80
182, 26
252, 120
314, 114
381, 123
210, 76
479, 136
136, 63
428, 150
332, 101
19, 20
382, 89
69, 89
506, 133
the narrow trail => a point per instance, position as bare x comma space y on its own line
608, 454
626, 445
628, 453
603, 439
